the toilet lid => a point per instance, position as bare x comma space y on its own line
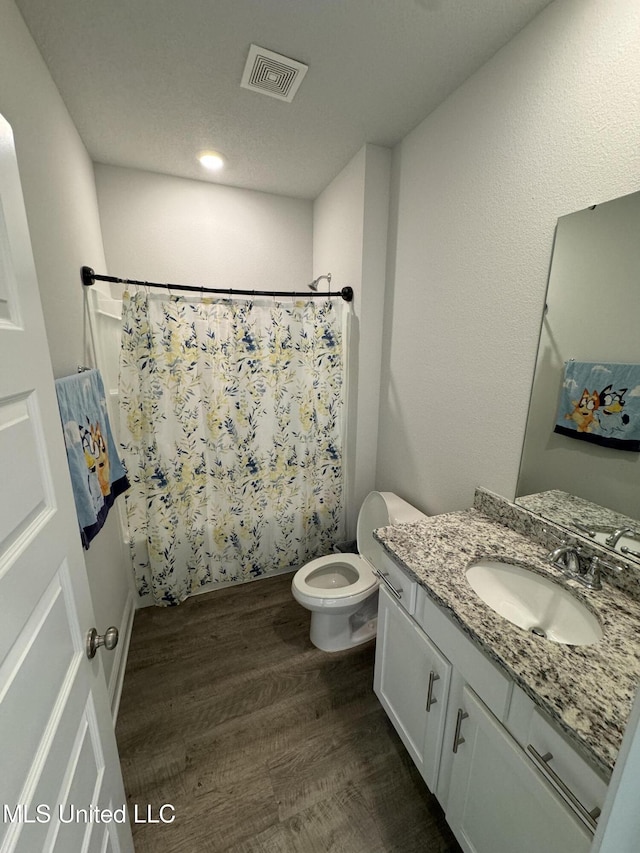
374, 513
304, 581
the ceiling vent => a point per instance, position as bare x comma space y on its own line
272, 74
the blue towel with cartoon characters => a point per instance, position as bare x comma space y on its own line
97, 474
600, 403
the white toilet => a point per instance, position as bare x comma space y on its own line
341, 590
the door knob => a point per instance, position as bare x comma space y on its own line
94, 640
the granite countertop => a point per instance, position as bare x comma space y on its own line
588, 690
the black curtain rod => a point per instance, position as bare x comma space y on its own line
89, 277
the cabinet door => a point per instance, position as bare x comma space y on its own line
412, 683
498, 802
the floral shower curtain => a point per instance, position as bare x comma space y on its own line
232, 433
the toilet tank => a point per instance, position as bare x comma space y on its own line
380, 509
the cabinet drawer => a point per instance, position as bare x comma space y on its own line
541, 738
488, 681
582, 788
398, 582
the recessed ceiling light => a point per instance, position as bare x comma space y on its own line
211, 160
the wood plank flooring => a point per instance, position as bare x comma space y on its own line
261, 742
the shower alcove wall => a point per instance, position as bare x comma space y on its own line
163, 228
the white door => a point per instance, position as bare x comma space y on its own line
57, 746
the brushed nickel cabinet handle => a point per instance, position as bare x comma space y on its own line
384, 577
457, 738
589, 818
431, 700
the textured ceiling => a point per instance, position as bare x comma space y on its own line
150, 83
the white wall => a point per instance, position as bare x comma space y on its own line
165, 229
546, 127
350, 221
60, 199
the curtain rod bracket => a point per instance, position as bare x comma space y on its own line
347, 294
88, 276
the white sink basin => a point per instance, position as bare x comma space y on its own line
533, 602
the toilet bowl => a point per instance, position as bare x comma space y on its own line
341, 590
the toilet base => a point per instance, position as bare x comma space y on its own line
333, 632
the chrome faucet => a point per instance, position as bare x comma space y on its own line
617, 535
566, 557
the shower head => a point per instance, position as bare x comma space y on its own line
314, 284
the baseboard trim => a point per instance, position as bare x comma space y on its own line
122, 652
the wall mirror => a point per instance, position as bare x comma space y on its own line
592, 314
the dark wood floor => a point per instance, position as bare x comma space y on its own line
260, 741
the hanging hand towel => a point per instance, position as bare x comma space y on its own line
601, 403
97, 474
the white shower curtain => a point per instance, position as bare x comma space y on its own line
232, 433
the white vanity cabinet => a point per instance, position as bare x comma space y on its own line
412, 683
473, 745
